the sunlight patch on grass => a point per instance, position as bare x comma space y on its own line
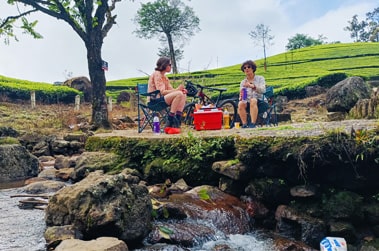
305, 126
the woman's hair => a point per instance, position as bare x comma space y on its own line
250, 63
162, 63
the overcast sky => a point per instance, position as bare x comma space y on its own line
223, 40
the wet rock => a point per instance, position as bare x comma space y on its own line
371, 212
56, 234
17, 163
303, 191
46, 161
236, 171
272, 192
255, 208
49, 174
64, 174
183, 233
345, 205
42, 148
34, 179
48, 186
60, 146
62, 161
231, 186
165, 247
302, 227
284, 244
224, 211
92, 161
179, 187
103, 205
343, 229
100, 244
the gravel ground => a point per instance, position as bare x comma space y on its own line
283, 130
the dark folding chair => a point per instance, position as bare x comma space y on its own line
267, 108
146, 110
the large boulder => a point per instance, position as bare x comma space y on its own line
16, 163
345, 94
103, 205
92, 161
82, 84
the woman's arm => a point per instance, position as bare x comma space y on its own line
260, 84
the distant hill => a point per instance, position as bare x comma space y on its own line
289, 73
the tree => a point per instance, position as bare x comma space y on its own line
301, 40
262, 37
169, 20
373, 23
91, 20
165, 52
357, 29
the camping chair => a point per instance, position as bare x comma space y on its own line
267, 108
146, 111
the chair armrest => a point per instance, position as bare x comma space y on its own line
153, 94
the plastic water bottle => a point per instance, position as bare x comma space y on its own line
226, 119
244, 95
156, 125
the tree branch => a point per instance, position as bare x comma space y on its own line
8, 19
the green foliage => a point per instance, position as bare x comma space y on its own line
288, 72
301, 40
189, 157
203, 194
45, 93
170, 21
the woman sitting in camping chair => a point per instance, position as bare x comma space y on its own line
255, 87
174, 97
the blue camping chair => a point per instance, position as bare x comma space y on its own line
147, 109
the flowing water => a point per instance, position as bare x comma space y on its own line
22, 230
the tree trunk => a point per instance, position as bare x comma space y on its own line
172, 54
97, 76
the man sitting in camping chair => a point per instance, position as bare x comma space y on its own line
175, 98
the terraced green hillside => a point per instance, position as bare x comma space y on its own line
292, 71
288, 72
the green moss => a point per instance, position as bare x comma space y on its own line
343, 204
9, 141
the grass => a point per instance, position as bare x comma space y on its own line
288, 72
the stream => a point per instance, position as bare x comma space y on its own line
22, 230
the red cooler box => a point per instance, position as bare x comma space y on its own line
210, 119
